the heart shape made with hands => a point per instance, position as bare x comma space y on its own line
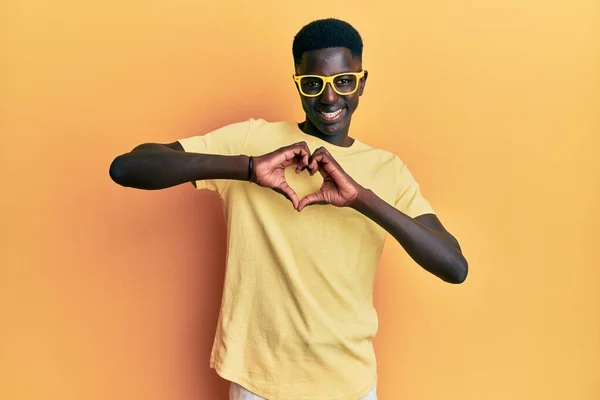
303, 183
323, 181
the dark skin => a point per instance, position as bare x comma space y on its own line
329, 62
153, 166
424, 238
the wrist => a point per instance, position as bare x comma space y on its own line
252, 162
250, 168
239, 167
363, 198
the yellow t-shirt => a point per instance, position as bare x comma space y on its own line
297, 317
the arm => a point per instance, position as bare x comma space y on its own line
154, 166
424, 238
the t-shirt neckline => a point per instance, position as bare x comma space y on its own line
320, 142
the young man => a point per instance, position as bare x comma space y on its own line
307, 209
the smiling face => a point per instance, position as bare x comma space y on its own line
330, 113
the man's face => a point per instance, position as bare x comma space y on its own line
330, 112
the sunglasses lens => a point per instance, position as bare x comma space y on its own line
311, 85
345, 83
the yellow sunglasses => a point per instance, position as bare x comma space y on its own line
343, 84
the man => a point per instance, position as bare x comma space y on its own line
297, 317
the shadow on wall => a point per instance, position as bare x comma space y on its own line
204, 269
175, 240
172, 260
199, 221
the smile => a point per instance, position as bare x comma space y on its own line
331, 116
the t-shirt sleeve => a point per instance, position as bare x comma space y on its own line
229, 140
409, 199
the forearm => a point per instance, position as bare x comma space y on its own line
158, 167
435, 251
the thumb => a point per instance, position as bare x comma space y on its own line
313, 198
288, 193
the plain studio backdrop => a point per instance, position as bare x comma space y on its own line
113, 293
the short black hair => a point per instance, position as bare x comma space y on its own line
326, 33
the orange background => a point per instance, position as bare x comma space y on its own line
113, 293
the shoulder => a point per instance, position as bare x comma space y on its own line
264, 135
238, 129
386, 165
379, 156
261, 125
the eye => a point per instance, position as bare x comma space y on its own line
345, 81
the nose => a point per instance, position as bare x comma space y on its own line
329, 96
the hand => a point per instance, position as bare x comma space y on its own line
269, 169
338, 188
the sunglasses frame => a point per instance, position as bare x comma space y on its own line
329, 80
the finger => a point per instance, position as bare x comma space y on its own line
302, 163
310, 199
313, 165
300, 153
302, 159
321, 155
288, 161
318, 163
288, 193
288, 151
306, 155
295, 158
319, 151
301, 145
327, 164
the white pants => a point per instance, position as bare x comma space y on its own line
237, 392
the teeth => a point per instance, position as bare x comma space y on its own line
331, 115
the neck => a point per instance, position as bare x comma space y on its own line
340, 139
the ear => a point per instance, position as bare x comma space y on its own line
363, 83
296, 84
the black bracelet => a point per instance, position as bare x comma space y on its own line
250, 168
